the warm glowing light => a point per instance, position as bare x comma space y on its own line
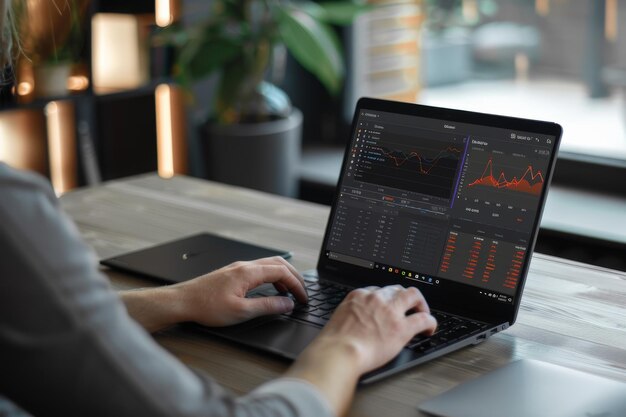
119, 51
610, 20
163, 13
542, 7
61, 145
52, 108
522, 66
165, 137
77, 83
470, 10
22, 140
55, 148
25, 88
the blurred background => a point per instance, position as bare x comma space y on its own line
260, 94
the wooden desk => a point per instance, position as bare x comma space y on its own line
571, 314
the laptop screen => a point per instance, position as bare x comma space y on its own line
437, 201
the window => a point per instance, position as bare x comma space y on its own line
562, 61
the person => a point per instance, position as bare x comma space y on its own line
72, 346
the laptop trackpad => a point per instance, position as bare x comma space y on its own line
285, 337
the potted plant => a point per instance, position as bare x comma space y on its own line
51, 39
253, 133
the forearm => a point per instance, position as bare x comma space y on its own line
331, 366
155, 308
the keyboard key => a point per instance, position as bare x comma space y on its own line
449, 329
417, 340
302, 313
423, 348
304, 307
444, 326
323, 299
327, 307
441, 317
335, 300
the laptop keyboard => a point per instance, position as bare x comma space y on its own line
324, 297
449, 329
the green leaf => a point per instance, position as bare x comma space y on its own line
170, 36
229, 91
314, 45
200, 59
341, 13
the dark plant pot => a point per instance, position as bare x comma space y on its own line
264, 156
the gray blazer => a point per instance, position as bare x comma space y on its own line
69, 348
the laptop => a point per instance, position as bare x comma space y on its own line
444, 200
189, 257
531, 388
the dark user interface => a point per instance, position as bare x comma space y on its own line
432, 200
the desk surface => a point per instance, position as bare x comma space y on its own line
571, 314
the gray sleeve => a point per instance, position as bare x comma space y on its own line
68, 346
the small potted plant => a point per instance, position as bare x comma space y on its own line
253, 134
51, 39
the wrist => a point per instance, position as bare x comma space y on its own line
178, 305
156, 308
337, 348
333, 366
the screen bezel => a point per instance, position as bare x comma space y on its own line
460, 299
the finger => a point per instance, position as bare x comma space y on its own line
390, 291
264, 306
358, 292
396, 287
280, 287
279, 260
412, 299
422, 323
361, 292
257, 274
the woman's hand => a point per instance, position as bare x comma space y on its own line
378, 322
367, 330
218, 298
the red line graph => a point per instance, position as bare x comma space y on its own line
523, 184
401, 160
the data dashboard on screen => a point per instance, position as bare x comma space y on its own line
432, 200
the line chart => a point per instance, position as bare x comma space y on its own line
531, 181
421, 165
400, 158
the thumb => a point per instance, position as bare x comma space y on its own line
269, 305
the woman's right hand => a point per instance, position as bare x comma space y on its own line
375, 323
367, 330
